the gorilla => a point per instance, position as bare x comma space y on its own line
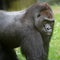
31, 29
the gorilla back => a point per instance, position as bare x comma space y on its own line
9, 26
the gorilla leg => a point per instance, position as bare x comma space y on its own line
12, 54
7, 54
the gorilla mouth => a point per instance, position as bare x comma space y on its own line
48, 33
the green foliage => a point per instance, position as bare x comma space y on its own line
19, 54
20, 4
50, 1
54, 50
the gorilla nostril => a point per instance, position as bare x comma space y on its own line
47, 28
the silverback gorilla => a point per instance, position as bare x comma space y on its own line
31, 29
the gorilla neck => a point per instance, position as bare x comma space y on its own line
46, 38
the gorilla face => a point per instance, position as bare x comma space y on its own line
47, 27
44, 21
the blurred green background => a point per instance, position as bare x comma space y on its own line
54, 50
21, 4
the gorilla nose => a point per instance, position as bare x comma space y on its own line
49, 29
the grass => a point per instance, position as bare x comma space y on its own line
54, 50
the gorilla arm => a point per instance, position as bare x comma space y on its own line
32, 45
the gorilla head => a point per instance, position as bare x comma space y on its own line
42, 18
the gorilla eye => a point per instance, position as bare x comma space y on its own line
38, 15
